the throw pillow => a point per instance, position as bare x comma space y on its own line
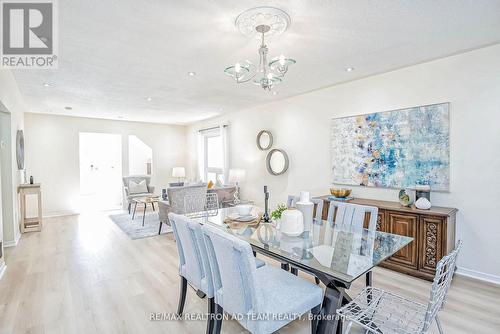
137, 188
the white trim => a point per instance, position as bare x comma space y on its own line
60, 214
478, 275
3, 268
12, 243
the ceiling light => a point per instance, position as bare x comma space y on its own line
349, 69
46, 84
262, 22
149, 98
191, 74
275, 93
68, 108
120, 117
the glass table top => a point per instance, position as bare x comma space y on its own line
339, 252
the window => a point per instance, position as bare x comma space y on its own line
212, 155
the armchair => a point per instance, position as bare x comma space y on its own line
136, 178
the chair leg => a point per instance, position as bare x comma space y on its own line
348, 328
369, 278
129, 206
219, 314
438, 322
153, 205
159, 230
315, 318
211, 311
294, 271
182, 296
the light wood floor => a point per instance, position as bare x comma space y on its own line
82, 274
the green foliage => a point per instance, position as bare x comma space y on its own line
276, 214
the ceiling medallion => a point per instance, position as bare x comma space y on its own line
262, 22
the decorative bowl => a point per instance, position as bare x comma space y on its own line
340, 192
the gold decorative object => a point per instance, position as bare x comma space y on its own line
340, 192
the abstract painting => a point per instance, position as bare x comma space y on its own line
393, 149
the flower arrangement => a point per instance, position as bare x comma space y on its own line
276, 214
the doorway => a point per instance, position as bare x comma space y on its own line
100, 171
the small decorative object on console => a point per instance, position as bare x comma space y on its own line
406, 197
423, 204
340, 192
423, 191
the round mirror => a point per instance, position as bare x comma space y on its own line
277, 162
264, 140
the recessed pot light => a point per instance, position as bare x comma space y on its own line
68, 108
191, 74
120, 117
349, 69
149, 98
275, 93
46, 84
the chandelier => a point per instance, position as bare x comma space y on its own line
261, 22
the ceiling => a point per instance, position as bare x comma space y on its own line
114, 54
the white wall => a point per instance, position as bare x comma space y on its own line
301, 126
12, 101
52, 153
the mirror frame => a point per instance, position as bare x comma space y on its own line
268, 162
20, 149
270, 140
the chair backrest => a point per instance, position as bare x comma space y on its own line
194, 264
351, 217
318, 205
233, 270
441, 284
136, 179
176, 196
201, 205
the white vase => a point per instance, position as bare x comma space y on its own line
305, 206
292, 222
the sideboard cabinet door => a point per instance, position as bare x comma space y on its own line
432, 242
407, 225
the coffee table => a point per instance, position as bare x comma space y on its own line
152, 199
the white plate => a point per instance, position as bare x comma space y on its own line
237, 217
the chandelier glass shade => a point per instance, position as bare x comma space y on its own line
262, 22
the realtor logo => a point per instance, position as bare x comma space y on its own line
29, 34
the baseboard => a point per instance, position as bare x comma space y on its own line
478, 275
3, 268
60, 214
11, 243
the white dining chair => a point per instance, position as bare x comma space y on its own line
351, 218
379, 311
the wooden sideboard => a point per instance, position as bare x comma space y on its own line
433, 232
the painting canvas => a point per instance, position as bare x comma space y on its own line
394, 149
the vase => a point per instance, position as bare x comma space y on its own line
292, 222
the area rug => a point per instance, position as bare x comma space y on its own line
134, 228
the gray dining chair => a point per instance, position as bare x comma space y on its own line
241, 289
318, 206
194, 266
351, 218
379, 311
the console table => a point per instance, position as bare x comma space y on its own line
433, 232
31, 223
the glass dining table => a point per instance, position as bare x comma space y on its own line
336, 255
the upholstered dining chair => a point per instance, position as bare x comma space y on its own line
318, 206
136, 186
249, 293
194, 266
379, 311
351, 217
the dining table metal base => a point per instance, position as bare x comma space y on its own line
335, 297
